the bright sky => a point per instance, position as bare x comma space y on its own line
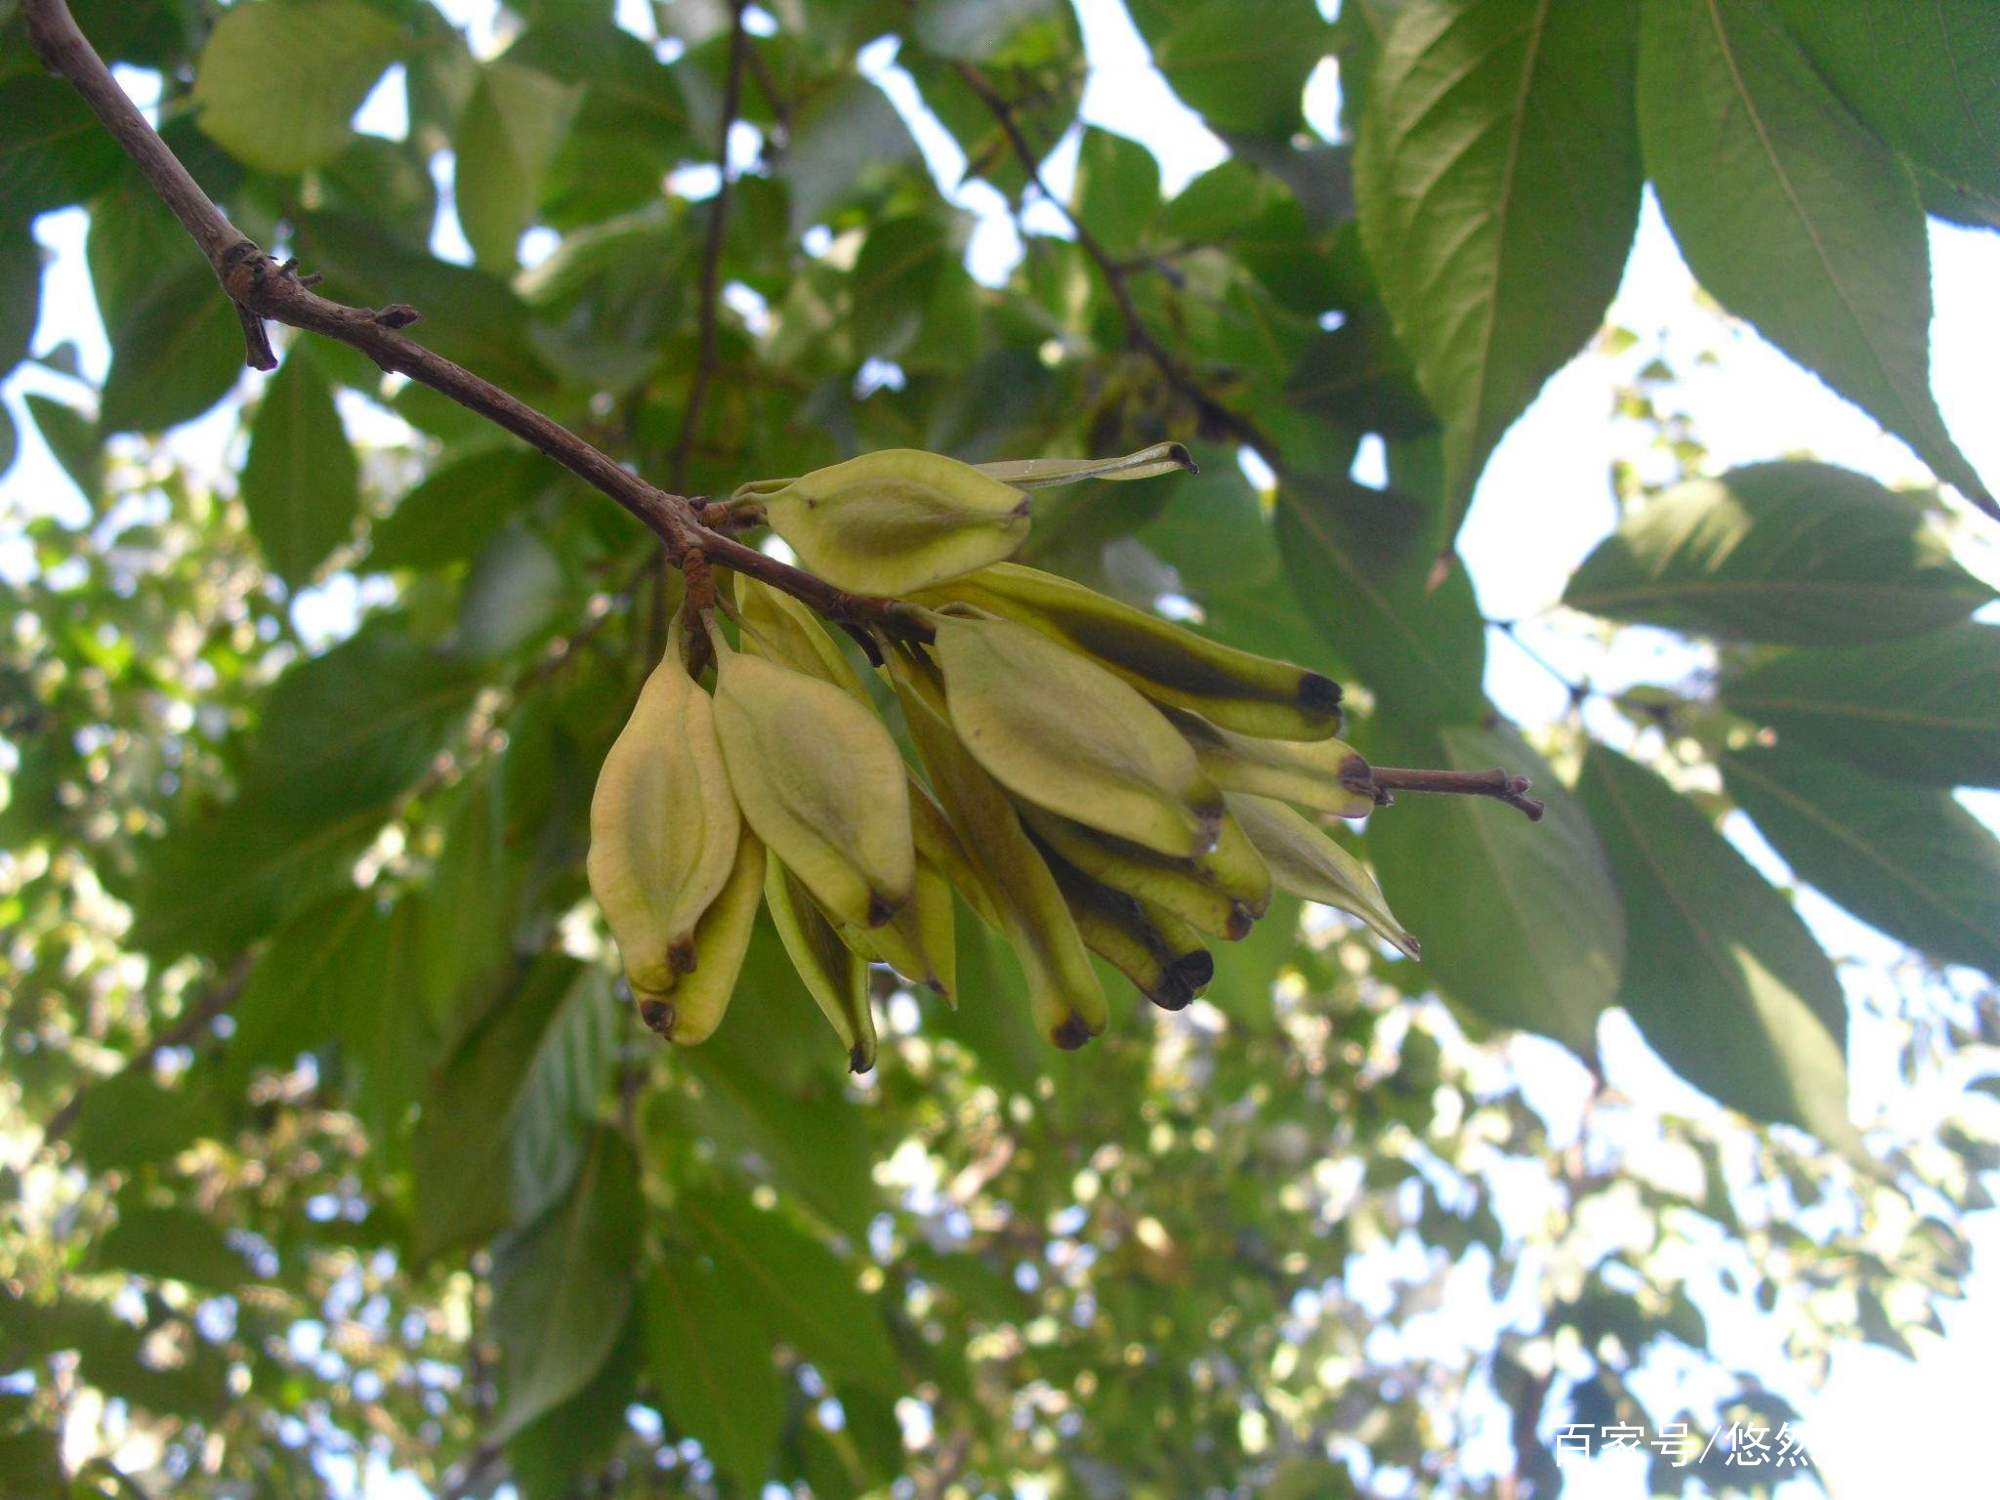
1882, 1425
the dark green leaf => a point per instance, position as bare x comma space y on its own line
52, 150
563, 1287
1497, 180
357, 726
129, 1120
1795, 553
73, 439
178, 1244
303, 984
1526, 930
503, 1124
1358, 377
1117, 190
20, 293
1356, 567
1925, 77
1908, 859
1243, 64
807, 1294
515, 594
453, 513
550, 1458
850, 137
301, 483
1720, 973
709, 1354
1925, 710
1792, 213
178, 354
278, 84
510, 131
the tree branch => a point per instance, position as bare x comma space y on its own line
1217, 420
1497, 784
263, 289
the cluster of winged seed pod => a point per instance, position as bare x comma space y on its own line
1088, 777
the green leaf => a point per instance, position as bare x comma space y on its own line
1793, 553
1925, 710
562, 1289
503, 1124
514, 594
806, 1294
278, 84
355, 727
1910, 860
1243, 64
1926, 78
178, 354
1360, 576
1358, 377
849, 138
73, 439
52, 149
128, 1120
454, 512
972, 30
1117, 193
709, 1355
301, 483
216, 882
302, 985
1792, 213
1526, 930
176, 1244
1497, 179
551, 1458
1720, 973
20, 293
508, 135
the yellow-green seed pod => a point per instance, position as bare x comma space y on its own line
835, 975
663, 826
1325, 775
693, 1007
820, 780
1223, 892
1119, 930
1307, 862
1063, 991
1251, 694
1059, 731
896, 521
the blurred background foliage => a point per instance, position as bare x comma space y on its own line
330, 1148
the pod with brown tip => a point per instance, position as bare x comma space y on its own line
1307, 862
1059, 731
690, 1009
1328, 776
1255, 695
1068, 1003
1118, 930
834, 974
1222, 893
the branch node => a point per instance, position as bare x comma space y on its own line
397, 315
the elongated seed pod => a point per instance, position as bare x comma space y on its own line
820, 780
896, 521
1059, 731
1325, 775
690, 1011
835, 975
1067, 1001
1118, 930
1251, 694
1222, 893
1307, 862
663, 826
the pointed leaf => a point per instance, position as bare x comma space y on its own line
1908, 859
176, 356
278, 84
1497, 180
1527, 930
302, 483
709, 1355
1925, 710
563, 1287
1792, 213
1243, 64
1797, 553
508, 135
1720, 973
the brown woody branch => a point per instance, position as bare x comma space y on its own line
264, 289
1497, 784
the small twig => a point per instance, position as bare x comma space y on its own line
1217, 420
221, 994
1497, 784
265, 289
1579, 692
